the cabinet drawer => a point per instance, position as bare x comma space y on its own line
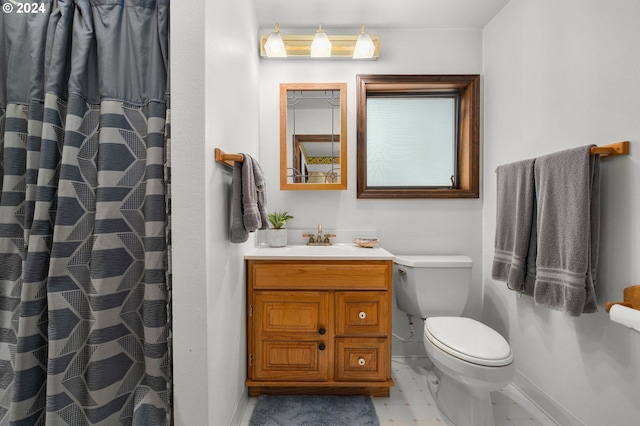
318, 274
362, 359
362, 313
290, 360
289, 315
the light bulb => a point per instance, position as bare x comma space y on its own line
321, 46
364, 46
274, 46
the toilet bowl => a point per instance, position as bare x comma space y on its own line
470, 359
473, 360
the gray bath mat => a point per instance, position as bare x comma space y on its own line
314, 410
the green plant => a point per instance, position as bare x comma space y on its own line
279, 219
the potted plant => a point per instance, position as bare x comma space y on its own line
277, 236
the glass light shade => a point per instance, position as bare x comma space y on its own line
364, 47
274, 46
321, 46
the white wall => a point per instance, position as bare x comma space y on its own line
214, 70
404, 226
559, 74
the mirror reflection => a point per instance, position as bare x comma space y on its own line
313, 136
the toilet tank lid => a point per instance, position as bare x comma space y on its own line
432, 261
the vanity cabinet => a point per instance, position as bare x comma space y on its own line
319, 327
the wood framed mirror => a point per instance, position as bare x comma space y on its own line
313, 136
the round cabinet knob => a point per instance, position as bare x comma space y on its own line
362, 315
322, 331
361, 361
322, 347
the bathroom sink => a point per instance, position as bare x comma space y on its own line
336, 251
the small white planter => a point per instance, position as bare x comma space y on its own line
277, 237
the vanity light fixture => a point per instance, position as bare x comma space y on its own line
364, 46
320, 46
274, 46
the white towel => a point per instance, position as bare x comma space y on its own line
568, 216
515, 244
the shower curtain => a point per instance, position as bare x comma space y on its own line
84, 270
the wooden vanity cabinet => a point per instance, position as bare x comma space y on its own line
319, 327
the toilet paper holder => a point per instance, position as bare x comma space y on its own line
631, 297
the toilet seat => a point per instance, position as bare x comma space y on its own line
469, 340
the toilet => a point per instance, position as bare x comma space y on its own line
471, 360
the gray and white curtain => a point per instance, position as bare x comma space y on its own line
84, 274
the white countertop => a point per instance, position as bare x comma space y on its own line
334, 252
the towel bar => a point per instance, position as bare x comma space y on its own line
227, 159
611, 150
618, 148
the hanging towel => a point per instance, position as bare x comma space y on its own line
515, 245
261, 193
238, 233
253, 195
568, 223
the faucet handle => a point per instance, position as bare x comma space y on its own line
310, 236
327, 236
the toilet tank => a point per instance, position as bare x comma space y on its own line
428, 286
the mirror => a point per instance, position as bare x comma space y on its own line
313, 136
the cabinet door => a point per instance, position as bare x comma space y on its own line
362, 313
290, 335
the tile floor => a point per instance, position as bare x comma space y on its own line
411, 404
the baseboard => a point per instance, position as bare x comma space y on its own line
544, 402
241, 407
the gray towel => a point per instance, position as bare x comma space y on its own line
237, 234
568, 210
261, 189
253, 195
515, 245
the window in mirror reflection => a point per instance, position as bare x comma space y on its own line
316, 158
418, 136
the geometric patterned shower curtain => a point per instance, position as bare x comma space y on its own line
84, 268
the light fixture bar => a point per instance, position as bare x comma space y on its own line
299, 46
